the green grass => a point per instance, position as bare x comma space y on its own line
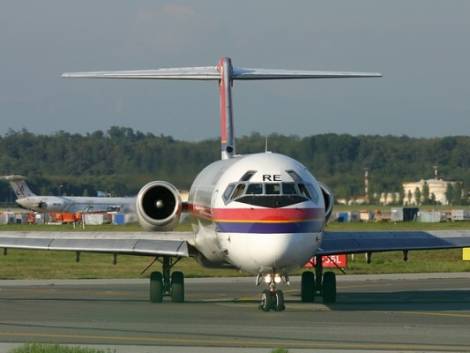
23, 264
387, 208
418, 262
388, 226
55, 348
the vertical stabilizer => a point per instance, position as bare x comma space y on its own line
227, 135
19, 186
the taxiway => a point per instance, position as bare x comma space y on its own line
385, 312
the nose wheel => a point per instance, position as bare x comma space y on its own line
272, 298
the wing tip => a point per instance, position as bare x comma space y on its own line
68, 75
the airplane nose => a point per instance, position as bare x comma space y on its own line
23, 203
254, 252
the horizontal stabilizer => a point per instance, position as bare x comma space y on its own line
182, 73
12, 177
240, 73
212, 73
224, 73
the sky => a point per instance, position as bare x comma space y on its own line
422, 47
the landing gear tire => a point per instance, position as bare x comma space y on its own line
267, 300
307, 287
279, 301
329, 288
272, 300
177, 287
156, 287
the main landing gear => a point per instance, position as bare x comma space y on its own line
167, 284
272, 298
323, 284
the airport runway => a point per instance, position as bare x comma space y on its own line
396, 312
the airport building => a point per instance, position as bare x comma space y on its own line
437, 190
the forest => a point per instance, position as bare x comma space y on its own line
121, 160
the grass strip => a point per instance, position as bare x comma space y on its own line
55, 348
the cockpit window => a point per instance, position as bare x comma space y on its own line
296, 177
247, 176
303, 191
289, 189
270, 194
272, 189
313, 193
254, 189
228, 192
238, 191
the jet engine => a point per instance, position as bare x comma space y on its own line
329, 201
158, 206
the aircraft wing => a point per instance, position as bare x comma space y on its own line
360, 242
134, 243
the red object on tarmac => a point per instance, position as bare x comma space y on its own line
331, 261
31, 218
64, 217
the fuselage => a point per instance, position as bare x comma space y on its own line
77, 203
258, 212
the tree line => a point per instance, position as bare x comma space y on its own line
120, 160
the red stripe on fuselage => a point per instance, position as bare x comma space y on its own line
257, 214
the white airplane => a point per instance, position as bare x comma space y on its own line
262, 213
29, 200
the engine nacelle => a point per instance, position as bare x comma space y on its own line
158, 206
329, 201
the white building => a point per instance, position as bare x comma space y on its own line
354, 200
437, 187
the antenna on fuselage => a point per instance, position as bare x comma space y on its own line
225, 74
266, 144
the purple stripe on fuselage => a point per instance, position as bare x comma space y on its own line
248, 227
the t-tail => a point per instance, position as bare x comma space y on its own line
19, 186
225, 74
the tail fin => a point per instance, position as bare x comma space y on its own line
225, 73
19, 186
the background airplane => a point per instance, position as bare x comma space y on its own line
29, 200
263, 213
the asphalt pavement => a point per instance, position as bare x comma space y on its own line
428, 312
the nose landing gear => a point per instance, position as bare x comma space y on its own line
272, 298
